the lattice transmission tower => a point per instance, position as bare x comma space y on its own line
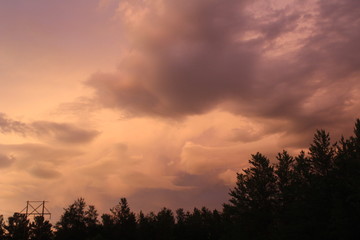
36, 208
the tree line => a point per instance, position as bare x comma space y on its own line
314, 195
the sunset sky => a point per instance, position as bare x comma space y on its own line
163, 101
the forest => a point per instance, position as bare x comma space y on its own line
314, 195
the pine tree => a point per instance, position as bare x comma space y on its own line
77, 221
319, 193
321, 153
165, 224
124, 220
302, 174
253, 200
146, 226
17, 227
346, 191
41, 229
285, 175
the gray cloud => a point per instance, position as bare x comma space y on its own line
244, 135
63, 132
299, 63
38, 160
6, 160
59, 132
43, 172
8, 125
212, 195
192, 180
28, 154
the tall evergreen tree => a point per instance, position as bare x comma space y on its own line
345, 220
147, 226
107, 227
302, 171
319, 193
253, 199
356, 138
77, 221
284, 170
180, 227
165, 224
321, 153
124, 220
285, 174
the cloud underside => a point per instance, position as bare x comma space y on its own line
297, 61
46, 130
47, 149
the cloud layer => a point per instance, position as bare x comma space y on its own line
295, 61
199, 86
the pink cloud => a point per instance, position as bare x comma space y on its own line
262, 60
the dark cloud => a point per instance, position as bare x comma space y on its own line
244, 135
156, 198
60, 132
63, 132
182, 69
82, 106
38, 160
6, 161
299, 63
28, 154
43, 172
193, 180
8, 125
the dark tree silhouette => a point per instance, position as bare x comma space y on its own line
252, 201
2, 227
345, 220
285, 175
17, 227
165, 224
302, 172
121, 223
146, 226
317, 196
321, 153
41, 229
77, 222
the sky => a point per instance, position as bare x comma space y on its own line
164, 101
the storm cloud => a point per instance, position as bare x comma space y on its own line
295, 61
